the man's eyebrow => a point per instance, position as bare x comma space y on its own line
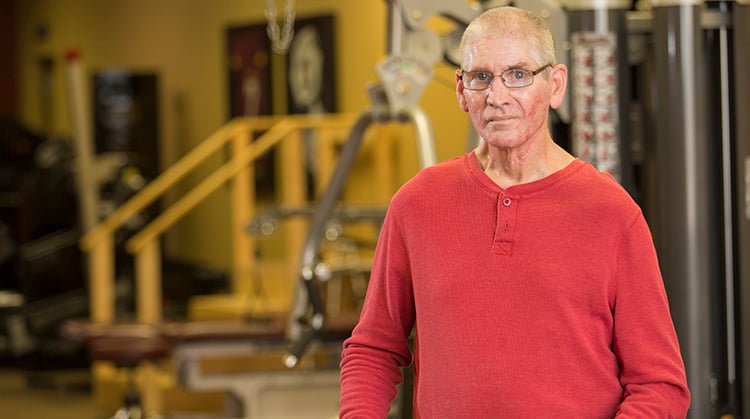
520, 65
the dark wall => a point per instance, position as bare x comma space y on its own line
8, 58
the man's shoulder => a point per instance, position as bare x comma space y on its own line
605, 191
441, 174
433, 181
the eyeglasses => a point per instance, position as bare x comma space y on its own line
513, 78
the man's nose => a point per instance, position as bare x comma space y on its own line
497, 92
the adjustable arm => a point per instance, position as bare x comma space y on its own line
323, 211
403, 77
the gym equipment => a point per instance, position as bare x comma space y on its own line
403, 74
691, 87
255, 388
657, 97
128, 346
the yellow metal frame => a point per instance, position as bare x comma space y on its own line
285, 133
98, 243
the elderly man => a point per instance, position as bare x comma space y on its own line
530, 277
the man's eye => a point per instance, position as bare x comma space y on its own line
483, 75
518, 74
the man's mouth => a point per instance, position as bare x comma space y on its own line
498, 119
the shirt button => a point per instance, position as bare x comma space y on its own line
506, 201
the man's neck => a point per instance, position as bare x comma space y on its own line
518, 166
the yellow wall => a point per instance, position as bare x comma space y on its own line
183, 41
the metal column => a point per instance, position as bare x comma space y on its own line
687, 232
741, 16
600, 86
720, 81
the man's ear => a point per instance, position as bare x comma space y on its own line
559, 82
460, 93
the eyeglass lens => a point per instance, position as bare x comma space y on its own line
514, 78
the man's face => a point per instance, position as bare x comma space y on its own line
509, 117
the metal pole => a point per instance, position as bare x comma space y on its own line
86, 182
423, 134
687, 232
395, 28
725, 129
741, 15
307, 294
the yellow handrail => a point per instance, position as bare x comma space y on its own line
169, 178
261, 145
215, 180
98, 242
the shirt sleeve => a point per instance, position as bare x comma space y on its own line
652, 370
378, 347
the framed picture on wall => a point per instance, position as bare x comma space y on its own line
311, 69
249, 63
311, 78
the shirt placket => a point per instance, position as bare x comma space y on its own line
505, 225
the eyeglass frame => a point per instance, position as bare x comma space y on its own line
460, 73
